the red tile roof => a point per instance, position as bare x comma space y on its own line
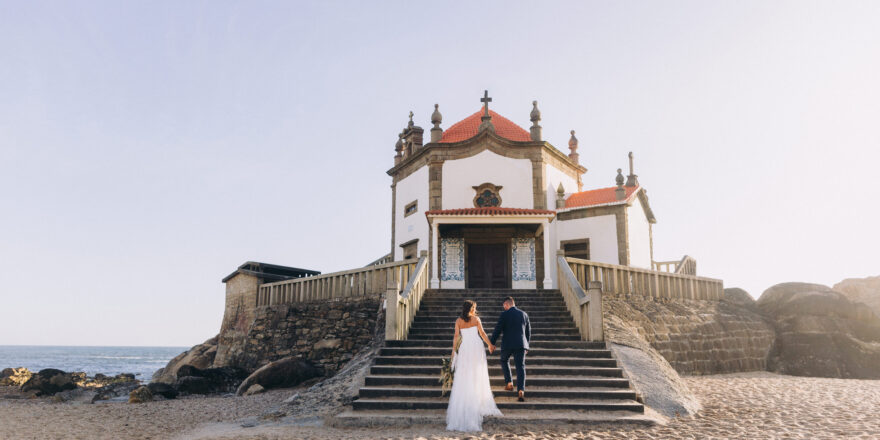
490, 211
601, 196
469, 127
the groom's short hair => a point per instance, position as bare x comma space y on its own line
510, 300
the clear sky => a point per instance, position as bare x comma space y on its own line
149, 148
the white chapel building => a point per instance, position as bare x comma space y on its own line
492, 203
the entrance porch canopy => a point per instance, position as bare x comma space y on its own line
493, 215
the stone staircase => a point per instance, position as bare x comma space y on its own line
565, 375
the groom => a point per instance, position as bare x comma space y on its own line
514, 324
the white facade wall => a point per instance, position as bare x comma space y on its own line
601, 230
461, 175
413, 187
639, 236
554, 177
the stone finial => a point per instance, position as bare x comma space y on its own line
398, 147
410, 123
560, 196
535, 117
573, 146
487, 118
619, 192
436, 119
632, 179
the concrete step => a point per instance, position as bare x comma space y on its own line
498, 381
495, 370
544, 328
447, 335
535, 352
433, 343
512, 417
531, 361
503, 403
499, 391
533, 320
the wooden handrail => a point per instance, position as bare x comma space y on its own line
626, 280
585, 306
401, 308
365, 281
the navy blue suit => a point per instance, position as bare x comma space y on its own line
514, 325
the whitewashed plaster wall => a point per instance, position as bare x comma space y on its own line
601, 230
554, 177
461, 175
413, 187
639, 236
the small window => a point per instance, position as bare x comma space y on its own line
577, 249
411, 208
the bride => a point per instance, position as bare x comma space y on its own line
471, 397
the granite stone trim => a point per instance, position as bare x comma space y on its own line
620, 216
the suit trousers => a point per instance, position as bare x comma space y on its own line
519, 361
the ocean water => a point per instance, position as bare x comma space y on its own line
142, 361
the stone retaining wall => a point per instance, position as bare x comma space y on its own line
696, 337
328, 333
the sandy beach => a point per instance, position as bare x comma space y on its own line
745, 405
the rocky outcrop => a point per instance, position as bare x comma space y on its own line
282, 373
821, 332
327, 334
695, 337
50, 381
193, 380
863, 290
653, 378
200, 356
15, 376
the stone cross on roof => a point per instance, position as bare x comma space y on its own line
487, 118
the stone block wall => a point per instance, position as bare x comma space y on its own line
696, 337
328, 333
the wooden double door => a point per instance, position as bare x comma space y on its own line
488, 266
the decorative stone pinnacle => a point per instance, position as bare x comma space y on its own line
398, 147
535, 115
573, 146
560, 189
436, 117
632, 179
487, 118
619, 193
410, 123
560, 196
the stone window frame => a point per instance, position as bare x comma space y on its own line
585, 241
411, 208
495, 189
411, 244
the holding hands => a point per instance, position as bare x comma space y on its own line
491, 348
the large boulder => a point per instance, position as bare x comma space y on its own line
163, 389
50, 381
140, 395
821, 332
200, 356
194, 380
658, 385
863, 290
740, 297
283, 373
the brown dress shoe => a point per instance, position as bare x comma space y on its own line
522, 396
509, 387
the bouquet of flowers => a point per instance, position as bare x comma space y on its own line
446, 375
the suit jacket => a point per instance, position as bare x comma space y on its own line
514, 325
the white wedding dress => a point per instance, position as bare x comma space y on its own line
471, 397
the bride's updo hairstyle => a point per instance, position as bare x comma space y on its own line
466, 310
